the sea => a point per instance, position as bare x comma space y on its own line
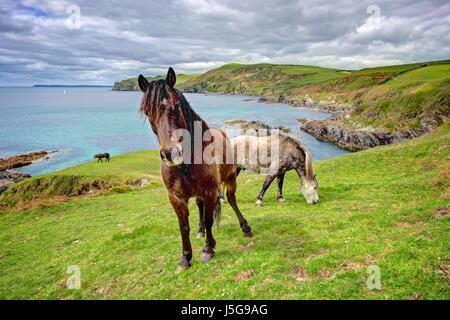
79, 122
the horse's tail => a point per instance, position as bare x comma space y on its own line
217, 214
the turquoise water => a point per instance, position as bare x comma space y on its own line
79, 122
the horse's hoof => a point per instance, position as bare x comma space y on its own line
200, 235
181, 268
206, 256
248, 234
222, 200
281, 200
258, 203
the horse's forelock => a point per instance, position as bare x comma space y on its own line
153, 97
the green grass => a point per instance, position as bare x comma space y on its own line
132, 84
377, 207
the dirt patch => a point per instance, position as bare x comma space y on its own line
441, 212
326, 274
429, 165
245, 247
447, 193
128, 230
63, 284
300, 274
370, 260
444, 271
135, 287
159, 271
316, 255
245, 275
351, 265
412, 223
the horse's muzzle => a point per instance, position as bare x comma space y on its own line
166, 155
172, 156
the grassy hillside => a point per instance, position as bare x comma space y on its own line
391, 97
387, 206
132, 84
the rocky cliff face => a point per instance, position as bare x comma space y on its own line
356, 139
8, 178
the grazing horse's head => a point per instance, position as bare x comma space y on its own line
310, 186
168, 111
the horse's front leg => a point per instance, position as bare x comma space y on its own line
280, 180
181, 209
209, 206
266, 185
201, 218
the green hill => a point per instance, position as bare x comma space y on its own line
132, 84
392, 97
387, 206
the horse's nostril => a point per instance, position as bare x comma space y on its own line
165, 154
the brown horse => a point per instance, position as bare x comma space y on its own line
184, 176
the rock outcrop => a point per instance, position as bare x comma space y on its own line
246, 125
307, 102
356, 139
8, 178
22, 160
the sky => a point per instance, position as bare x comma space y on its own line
100, 42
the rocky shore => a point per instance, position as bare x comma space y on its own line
347, 137
22, 160
246, 125
8, 177
307, 102
356, 139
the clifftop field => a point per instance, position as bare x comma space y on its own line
385, 207
392, 97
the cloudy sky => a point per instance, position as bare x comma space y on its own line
99, 42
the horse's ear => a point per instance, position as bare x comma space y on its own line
143, 83
171, 78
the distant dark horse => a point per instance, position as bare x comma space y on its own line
101, 156
168, 111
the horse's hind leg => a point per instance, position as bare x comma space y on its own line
231, 196
280, 180
266, 185
209, 206
201, 218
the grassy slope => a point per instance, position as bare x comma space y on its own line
132, 84
377, 207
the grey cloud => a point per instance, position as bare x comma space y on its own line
119, 40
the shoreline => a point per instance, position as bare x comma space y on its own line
331, 130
